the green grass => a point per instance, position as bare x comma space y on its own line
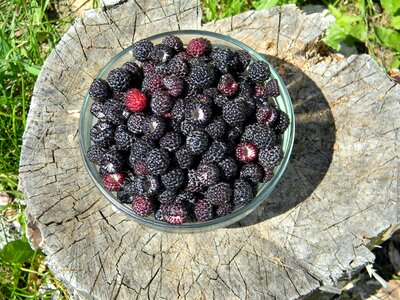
372, 26
26, 37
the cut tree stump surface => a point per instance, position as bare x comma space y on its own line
337, 199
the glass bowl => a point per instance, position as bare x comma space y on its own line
283, 102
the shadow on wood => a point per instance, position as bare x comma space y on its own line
313, 145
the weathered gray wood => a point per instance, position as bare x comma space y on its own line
336, 201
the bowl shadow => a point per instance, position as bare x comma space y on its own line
312, 150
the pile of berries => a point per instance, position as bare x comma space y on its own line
186, 134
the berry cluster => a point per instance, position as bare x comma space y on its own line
186, 133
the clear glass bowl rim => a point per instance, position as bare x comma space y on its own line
220, 222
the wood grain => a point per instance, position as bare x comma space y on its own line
337, 200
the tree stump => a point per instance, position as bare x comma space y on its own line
336, 201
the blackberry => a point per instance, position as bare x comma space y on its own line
184, 56
184, 158
228, 167
174, 42
113, 112
216, 129
252, 172
198, 47
147, 185
99, 90
124, 197
258, 71
227, 85
187, 127
171, 141
194, 185
178, 67
95, 153
178, 110
282, 122
142, 206
216, 152
148, 67
161, 53
268, 174
224, 209
157, 161
219, 193
96, 109
130, 187
154, 127
191, 89
136, 122
160, 213
246, 152
224, 60
176, 214
168, 196
244, 59
202, 98
198, 113
123, 138
203, 210
250, 105
197, 142
234, 112
153, 82
174, 85
221, 100
139, 167
141, 50
234, 133
260, 90
266, 115
211, 92
259, 136
202, 75
245, 88
113, 161
140, 148
126, 113
208, 174
242, 192
161, 68
113, 182
173, 180
119, 79
102, 134
272, 88
187, 197
135, 71
161, 103
270, 157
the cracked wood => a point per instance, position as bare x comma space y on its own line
337, 199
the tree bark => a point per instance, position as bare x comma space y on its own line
336, 201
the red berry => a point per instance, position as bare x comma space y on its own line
176, 214
227, 85
142, 206
198, 47
113, 182
246, 152
266, 115
135, 100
